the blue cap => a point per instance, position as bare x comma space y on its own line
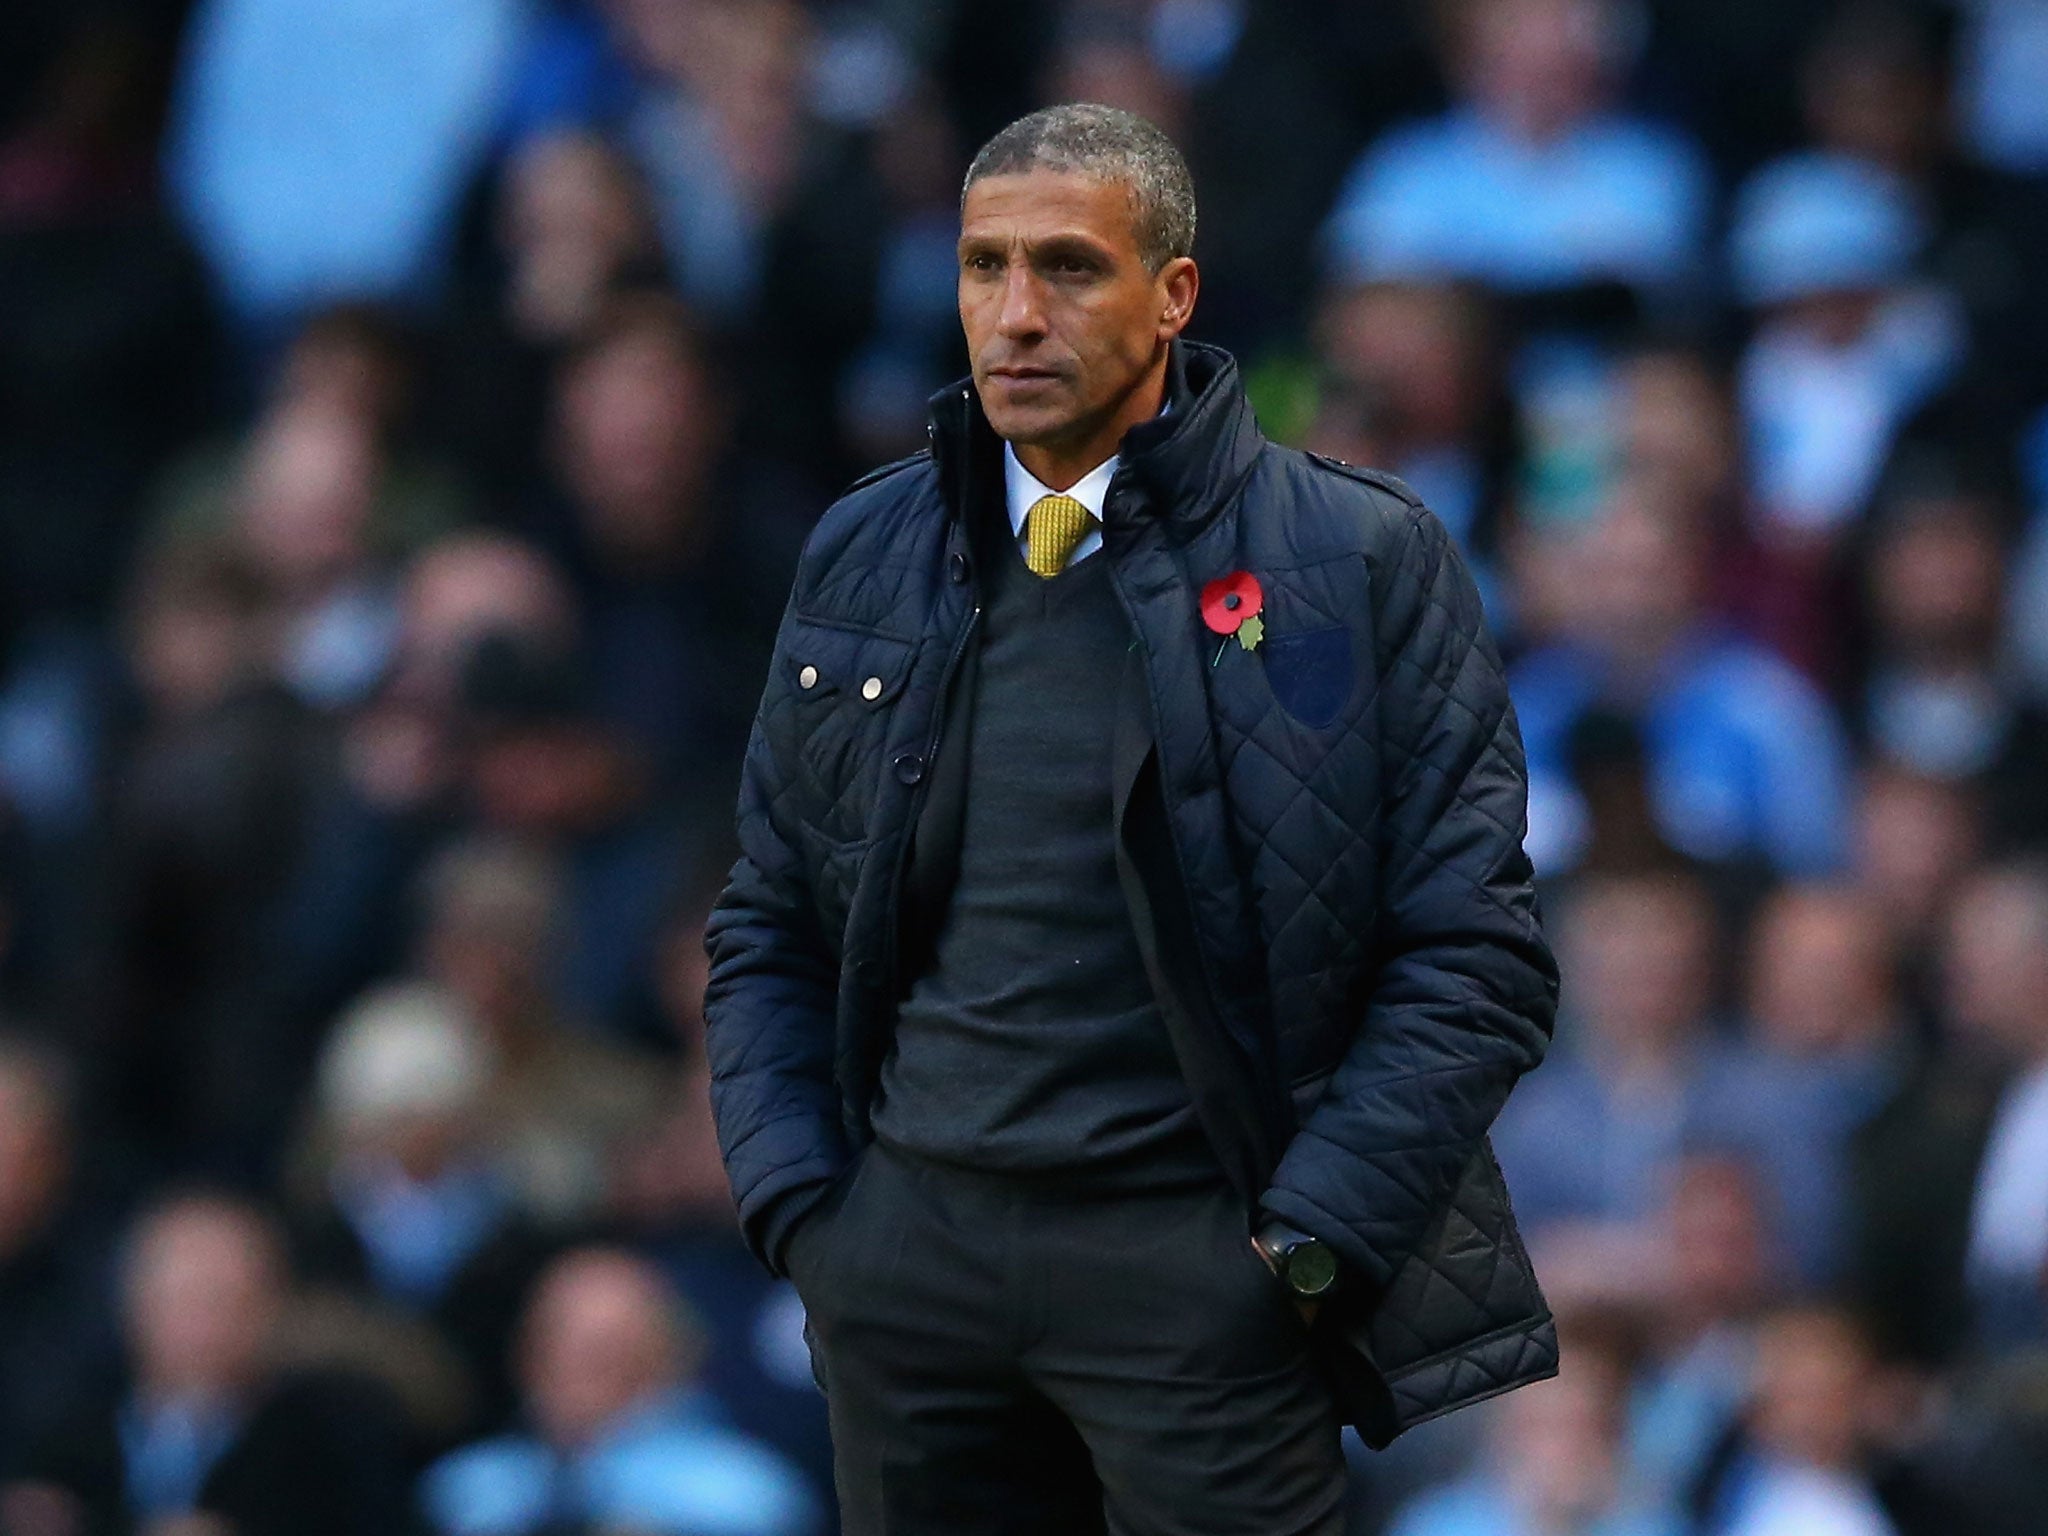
1819, 223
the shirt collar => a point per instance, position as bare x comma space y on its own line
1025, 488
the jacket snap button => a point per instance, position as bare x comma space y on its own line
871, 689
910, 768
956, 568
808, 678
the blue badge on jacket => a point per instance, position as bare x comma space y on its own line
1311, 672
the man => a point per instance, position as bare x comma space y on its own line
618, 1437
1744, 757
1131, 870
1951, 1178
215, 1429
1595, 1139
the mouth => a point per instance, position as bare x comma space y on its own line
1022, 373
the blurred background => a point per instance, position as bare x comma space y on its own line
409, 415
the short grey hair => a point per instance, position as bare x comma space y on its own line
1107, 144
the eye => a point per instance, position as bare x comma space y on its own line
1076, 266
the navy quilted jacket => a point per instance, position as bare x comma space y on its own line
1339, 814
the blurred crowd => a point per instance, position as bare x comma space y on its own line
409, 417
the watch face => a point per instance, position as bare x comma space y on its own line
1311, 1268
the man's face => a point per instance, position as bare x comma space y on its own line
1995, 966
638, 434
597, 1343
1063, 319
203, 1290
1639, 949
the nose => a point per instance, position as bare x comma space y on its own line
1023, 316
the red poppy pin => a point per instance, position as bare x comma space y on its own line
1230, 606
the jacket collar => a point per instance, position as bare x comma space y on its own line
1181, 467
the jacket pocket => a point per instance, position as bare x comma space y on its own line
842, 682
827, 659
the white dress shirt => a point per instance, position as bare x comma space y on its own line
1025, 488
2009, 1216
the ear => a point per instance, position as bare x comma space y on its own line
1179, 283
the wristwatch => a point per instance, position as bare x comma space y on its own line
1306, 1265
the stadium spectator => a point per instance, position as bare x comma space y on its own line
322, 500
1595, 1136
407, 1182
1916, 839
540, 765
1824, 1048
615, 1436
1876, 90
560, 1099
458, 592
1871, 87
1409, 382
769, 211
1676, 430
570, 226
401, 1198
393, 780
670, 1200
676, 551
1745, 760
191, 1024
574, 223
1799, 1465
714, 112
1848, 346
1936, 697
1556, 1463
1713, 1273
1953, 1189
1533, 181
1998, 995
208, 1433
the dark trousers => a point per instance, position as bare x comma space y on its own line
1003, 1359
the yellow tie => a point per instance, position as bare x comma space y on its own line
1053, 528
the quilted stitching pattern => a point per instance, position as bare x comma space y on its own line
1359, 884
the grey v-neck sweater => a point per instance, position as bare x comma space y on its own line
1031, 1043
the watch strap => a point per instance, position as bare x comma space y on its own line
1280, 1242
1276, 1237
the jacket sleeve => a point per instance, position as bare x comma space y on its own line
1465, 991
770, 1003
